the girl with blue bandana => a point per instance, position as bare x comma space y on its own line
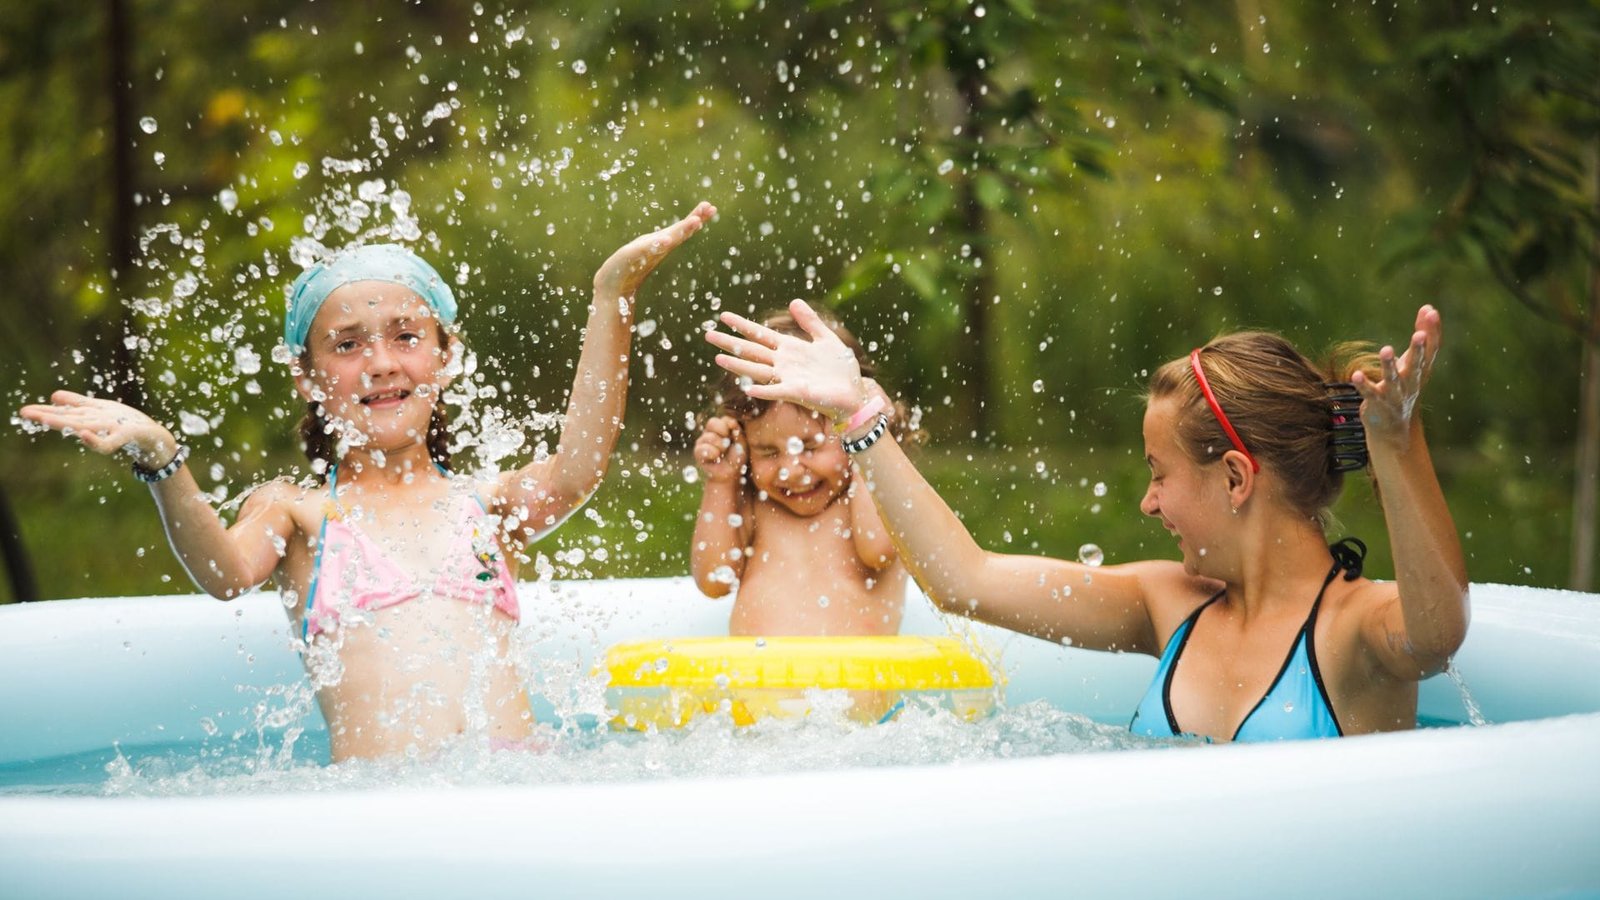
398, 574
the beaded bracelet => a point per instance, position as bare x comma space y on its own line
870, 438
151, 476
861, 416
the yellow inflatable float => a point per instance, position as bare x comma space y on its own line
665, 683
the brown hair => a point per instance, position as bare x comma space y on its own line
1278, 402
319, 442
731, 400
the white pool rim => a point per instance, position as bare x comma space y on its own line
1509, 809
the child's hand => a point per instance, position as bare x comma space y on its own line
621, 275
720, 450
106, 426
820, 374
1389, 407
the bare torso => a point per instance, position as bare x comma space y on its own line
805, 577
410, 677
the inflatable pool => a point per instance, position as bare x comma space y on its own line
1506, 809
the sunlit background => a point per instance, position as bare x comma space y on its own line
1021, 206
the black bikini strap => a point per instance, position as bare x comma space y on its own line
1348, 555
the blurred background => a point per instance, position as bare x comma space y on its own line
1021, 206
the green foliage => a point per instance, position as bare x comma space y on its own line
1524, 86
1133, 177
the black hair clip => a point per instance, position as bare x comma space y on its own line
1349, 441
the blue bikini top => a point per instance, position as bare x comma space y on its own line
1295, 707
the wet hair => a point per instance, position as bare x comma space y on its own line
731, 400
320, 442
1278, 401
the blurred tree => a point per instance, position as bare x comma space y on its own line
1522, 85
998, 128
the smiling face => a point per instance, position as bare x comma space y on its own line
376, 355
1189, 498
795, 460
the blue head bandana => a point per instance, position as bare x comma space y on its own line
391, 263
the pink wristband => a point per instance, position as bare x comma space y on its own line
868, 409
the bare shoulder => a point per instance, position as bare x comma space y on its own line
284, 496
1360, 602
518, 485
1171, 593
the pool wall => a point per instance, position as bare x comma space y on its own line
1511, 809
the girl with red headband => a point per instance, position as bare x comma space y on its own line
1264, 631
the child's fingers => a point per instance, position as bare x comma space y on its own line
52, 417
67, 398
706, 451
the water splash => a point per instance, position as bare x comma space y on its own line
1474, 712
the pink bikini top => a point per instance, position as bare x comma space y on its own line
351, 570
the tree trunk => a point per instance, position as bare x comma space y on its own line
1586, 484
123, 378
18, 569
1586, 487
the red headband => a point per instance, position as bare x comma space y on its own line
1216, 409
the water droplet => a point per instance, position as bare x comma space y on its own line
690, 474
1091, 555
1038, 387
148, 125
579, 67
822, 601
191, 424
1217, 290
946, 166
1099, 488
794, 445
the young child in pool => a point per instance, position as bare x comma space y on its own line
1263, 630
785, 520
398, 573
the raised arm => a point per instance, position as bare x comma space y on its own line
1101, 608
546, 492
723, 526
223, 562
874, 545
1415, 635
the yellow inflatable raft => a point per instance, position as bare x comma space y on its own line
665, 683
